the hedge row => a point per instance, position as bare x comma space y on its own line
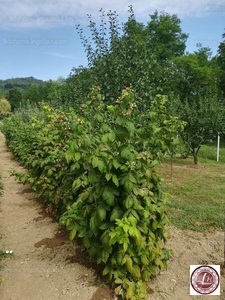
97, 171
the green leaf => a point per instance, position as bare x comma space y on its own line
93, 223
144, 259
129, 293
136, 272
128, 186
83, 196
108, 137
111, 136
121, 120
86, 241
68, 156
129, 264
49, 172
101, 213
128, 202
116, 214
115, 180
104, 256
131, 178
76, 184
116, 164
108, 196
97, 163
73, 233
125, 153
108, 177
130, 126
77, 156
106, 271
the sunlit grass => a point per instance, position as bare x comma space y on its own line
196, 193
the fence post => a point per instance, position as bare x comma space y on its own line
218, 147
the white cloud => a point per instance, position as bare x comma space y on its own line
60, 55
16, 14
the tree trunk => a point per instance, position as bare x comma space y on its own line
195, 154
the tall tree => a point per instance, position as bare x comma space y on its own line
165, 36
125, 55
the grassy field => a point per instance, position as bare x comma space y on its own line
196, 193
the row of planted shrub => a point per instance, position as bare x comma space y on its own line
97, 171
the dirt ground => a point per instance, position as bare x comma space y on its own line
46, 266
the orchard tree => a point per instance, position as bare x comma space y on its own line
204, 117
198, 101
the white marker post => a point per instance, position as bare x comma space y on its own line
218, 147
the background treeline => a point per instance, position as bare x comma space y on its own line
151, 59
21, 83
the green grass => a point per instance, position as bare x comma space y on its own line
196, 193
208, 154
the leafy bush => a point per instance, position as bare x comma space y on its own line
5, 107
27, 110
97, 170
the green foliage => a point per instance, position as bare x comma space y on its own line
21, 83
14, 97
196, 73
28, 110
128, 54
221, 63
204, 117
77, 86
5, 107
167, 39
97, 170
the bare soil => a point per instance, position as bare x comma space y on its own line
46, 266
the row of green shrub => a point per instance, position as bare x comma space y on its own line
97, 171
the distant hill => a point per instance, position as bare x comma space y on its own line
21, 83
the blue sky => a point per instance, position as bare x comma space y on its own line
38, 38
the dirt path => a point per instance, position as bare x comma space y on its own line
45, 266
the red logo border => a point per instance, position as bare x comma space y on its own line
203, 266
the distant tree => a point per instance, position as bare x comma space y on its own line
35, 93
5, 107
166, 38
53, 91
14, 97
195, 73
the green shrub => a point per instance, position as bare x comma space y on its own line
5, 108
98, 172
